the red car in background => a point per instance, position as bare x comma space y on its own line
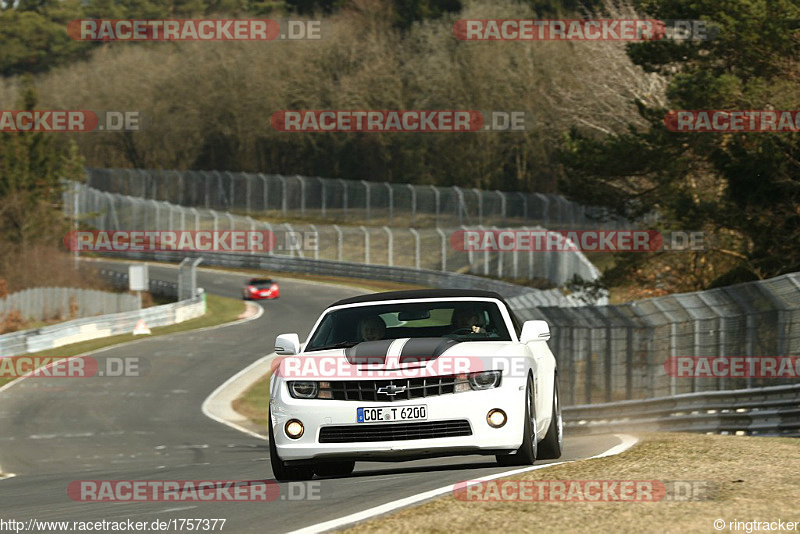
261, 288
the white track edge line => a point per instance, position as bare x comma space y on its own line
627, 442
206, 407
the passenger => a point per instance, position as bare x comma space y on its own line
371, 328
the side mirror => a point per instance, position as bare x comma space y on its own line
287, 344
534, 331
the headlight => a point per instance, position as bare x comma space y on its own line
485, 380
477, 381
310, 390
303, 390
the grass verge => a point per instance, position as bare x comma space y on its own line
219, 310
253, 404
756, 480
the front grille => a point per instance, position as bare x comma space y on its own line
394, 431
415, 388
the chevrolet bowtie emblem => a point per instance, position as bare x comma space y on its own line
391, 390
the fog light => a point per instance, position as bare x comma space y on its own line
496, 418
294, 428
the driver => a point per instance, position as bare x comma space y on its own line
467, 318
371, 328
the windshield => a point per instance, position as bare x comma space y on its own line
465, 321
260, 283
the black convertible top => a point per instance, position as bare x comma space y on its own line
420, 294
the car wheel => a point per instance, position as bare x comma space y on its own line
281, 471
552, 444
526, 454
334, 469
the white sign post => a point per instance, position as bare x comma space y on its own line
138, 280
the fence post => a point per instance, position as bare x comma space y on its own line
316, 250
389, 245
502, 205
323, 185
248, 192
284, 194
367, 191
479, 196
339, 242
436, 196
344, 198
444, 248
264, 189
416, 247
413, 204
271, 249
391, 201
302, 194
461, 207
366, 244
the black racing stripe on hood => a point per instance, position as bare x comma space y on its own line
424, 349
368, 352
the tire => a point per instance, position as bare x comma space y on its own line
280, 470
551, 446
526, 454
334, 469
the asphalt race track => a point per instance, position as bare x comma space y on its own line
57, 430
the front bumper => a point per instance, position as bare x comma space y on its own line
472, 406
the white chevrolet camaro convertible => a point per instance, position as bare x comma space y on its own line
413, 374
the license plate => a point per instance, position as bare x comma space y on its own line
384, 414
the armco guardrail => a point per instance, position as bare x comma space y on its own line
51, 337
45, 303
773, 411
425, 277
